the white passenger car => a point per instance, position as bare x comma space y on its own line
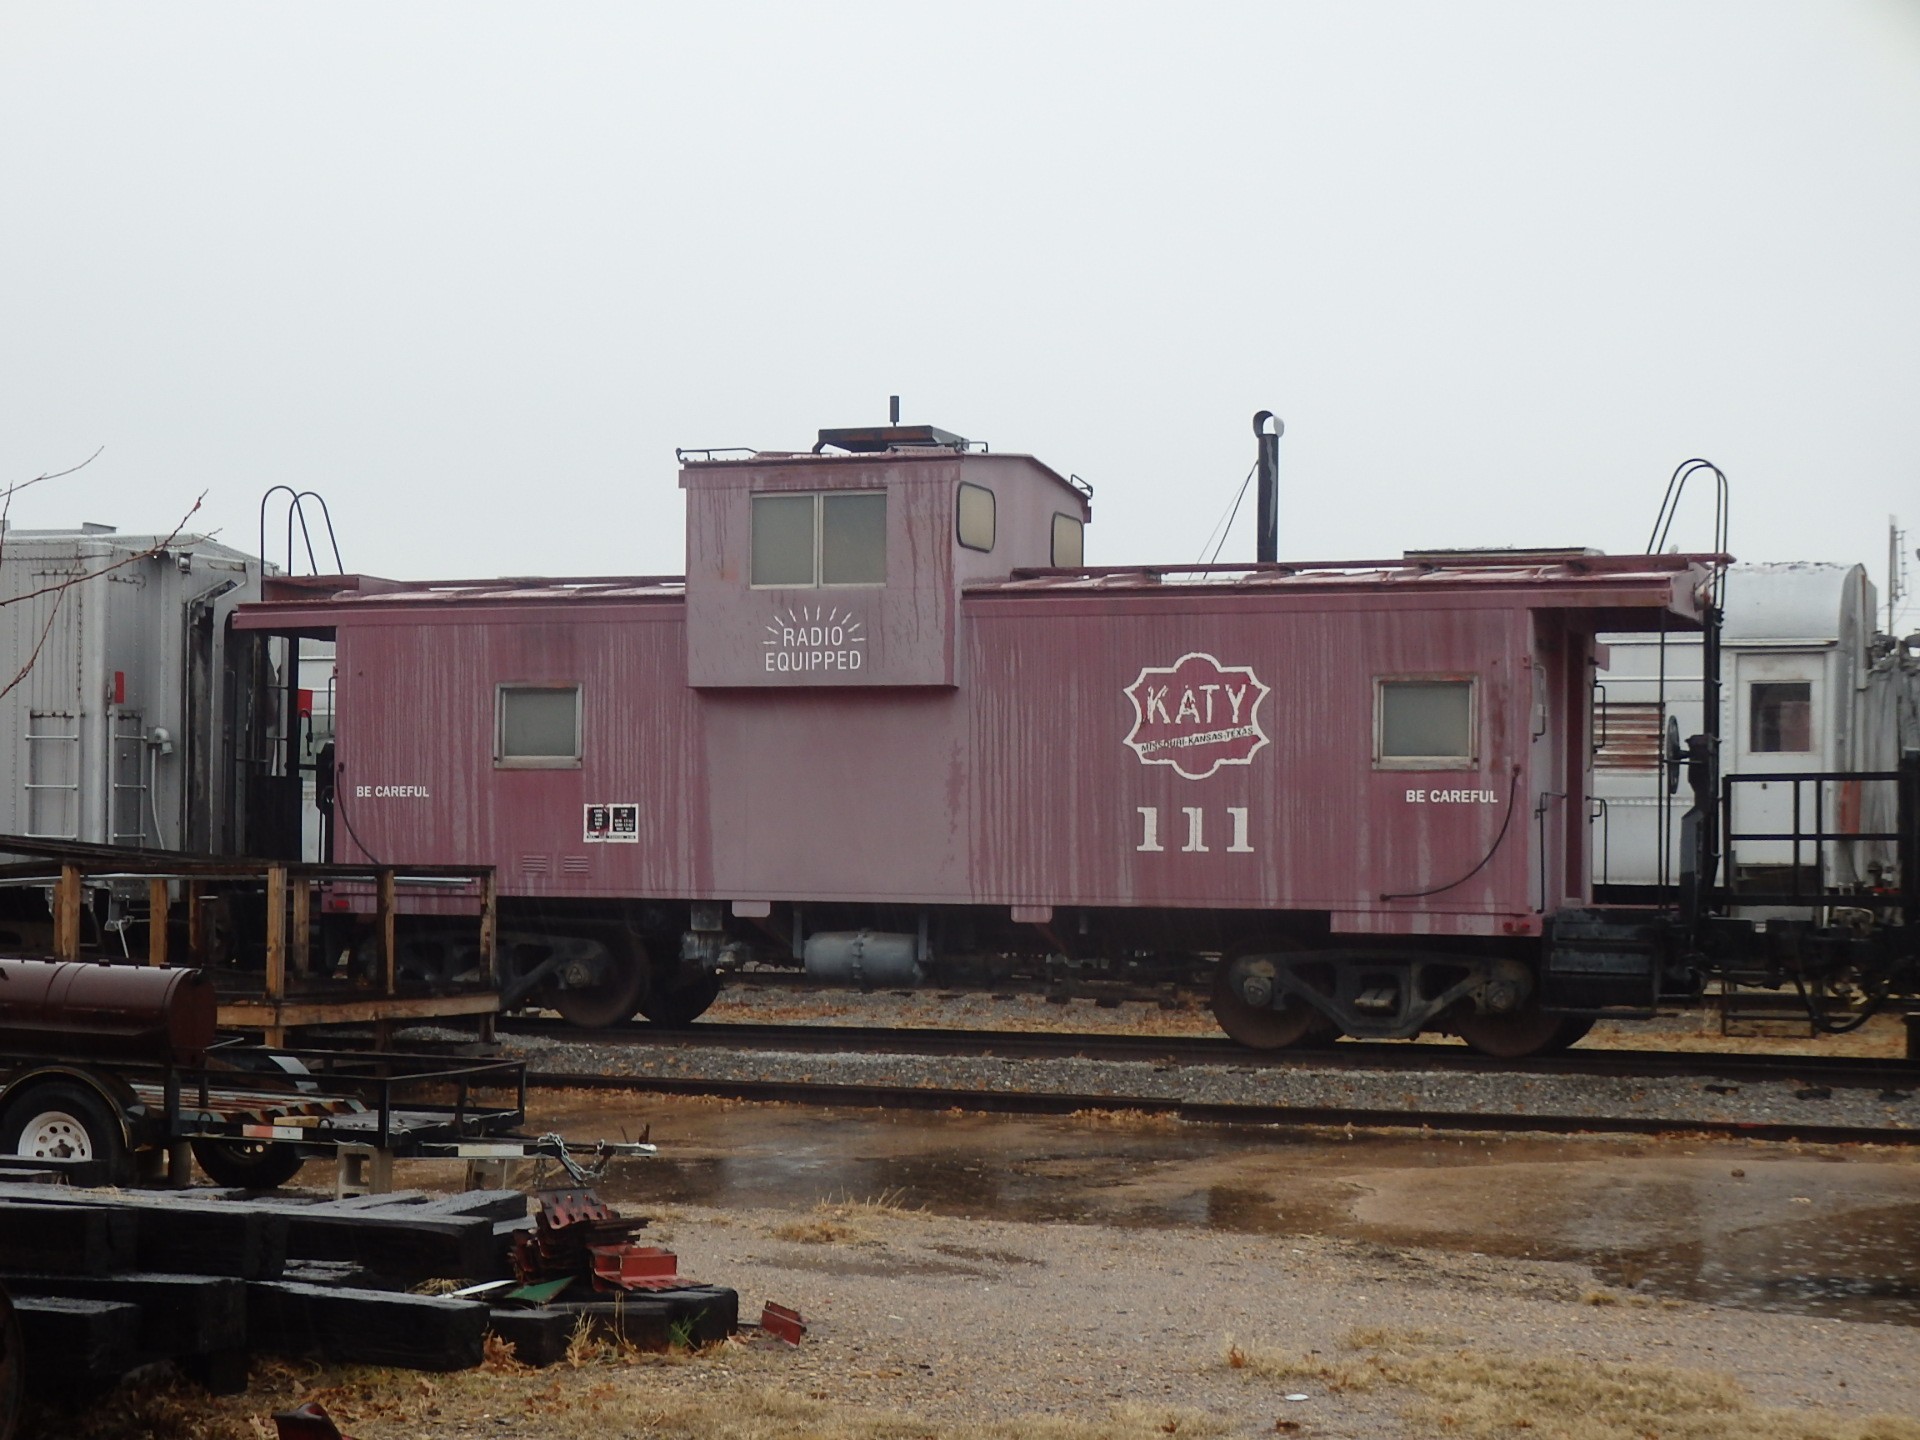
1808, 686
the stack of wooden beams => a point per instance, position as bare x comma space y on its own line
107, 1281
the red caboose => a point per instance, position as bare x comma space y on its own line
888, 727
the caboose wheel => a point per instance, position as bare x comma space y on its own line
58, 1120
1260, 1027
616, 998
1519, 1036
683, 1004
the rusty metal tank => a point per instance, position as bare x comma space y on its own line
97, 1011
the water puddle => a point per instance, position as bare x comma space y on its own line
1769, 1228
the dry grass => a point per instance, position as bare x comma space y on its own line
1125, 1120
1882, 1038
849, 1222
612, 1395
1457, 1390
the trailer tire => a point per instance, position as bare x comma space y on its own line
13, 1370
248, 1164
57, 1119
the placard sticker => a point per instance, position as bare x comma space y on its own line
612, 823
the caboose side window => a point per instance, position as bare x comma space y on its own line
1780, 716
1423, 724
808, 540
1069, 542
975, 520
537, 727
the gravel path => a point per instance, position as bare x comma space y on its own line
978, 1321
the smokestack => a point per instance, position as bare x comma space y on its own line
1267, 538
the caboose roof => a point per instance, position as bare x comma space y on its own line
1625, 592
1629, 592
715, 467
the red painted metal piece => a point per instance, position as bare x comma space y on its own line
573, 1230
633, 1267
782, 1323
561, 1208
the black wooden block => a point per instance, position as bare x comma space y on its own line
179, 1314
712, 1312
336, 1273
657, 1319
70, 1343
373, 1202
481, 1204
29, 1168
366, 1327
452, 1247
177, 1231
65, 1239
212, 1238
24, 1171
540, 1337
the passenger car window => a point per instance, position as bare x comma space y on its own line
976, 517
1424, 724
1068, 542
537, 727
1780, 716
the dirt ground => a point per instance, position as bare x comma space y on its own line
1094, 1277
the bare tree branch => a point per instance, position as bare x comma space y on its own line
7, 494
53, 474
59, 590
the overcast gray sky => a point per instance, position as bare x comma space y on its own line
473, 271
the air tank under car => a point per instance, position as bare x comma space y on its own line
86, 1011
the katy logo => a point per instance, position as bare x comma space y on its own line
801, 639
1196, 715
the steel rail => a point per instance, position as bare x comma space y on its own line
1851, 1072
894, 1097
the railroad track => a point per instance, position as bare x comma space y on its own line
1428, 1087
938, 1098
1839, 1071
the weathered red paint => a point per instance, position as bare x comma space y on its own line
991, 752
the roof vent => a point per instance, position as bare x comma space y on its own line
872, 439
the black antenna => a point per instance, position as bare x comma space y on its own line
893, 409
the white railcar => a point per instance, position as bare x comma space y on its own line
120, 702
1808, 686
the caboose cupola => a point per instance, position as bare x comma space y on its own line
843, 565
